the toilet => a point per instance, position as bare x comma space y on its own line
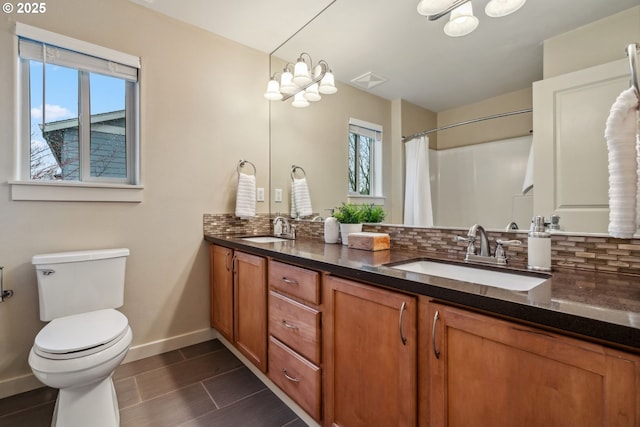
86, 338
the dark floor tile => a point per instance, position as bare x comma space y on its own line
127, 392
296, 423
181, 374
39, 416
228, 388
25, 400
201, 348
262, 409
169, 409
147, 364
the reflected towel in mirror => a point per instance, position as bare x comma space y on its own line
300, 198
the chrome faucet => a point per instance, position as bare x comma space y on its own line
287, 230
485, 248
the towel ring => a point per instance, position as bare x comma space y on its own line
632, 53
295, 168
243, 163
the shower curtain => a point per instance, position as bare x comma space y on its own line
417, 196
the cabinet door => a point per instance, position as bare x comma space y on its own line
490, 372
250, 304
370, 355
222, 290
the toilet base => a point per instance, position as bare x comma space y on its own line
93, 405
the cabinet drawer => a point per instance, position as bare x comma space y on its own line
296, 325
295, 281
296, 376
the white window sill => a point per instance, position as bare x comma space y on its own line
357, 198
75, 191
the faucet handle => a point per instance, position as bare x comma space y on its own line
471, 248
501, 255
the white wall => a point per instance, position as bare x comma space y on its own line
202, 111
481, 184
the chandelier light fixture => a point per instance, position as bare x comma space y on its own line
303, 82
461, 18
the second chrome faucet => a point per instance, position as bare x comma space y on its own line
499, 257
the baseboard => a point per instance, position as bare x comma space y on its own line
29, 382
169, 344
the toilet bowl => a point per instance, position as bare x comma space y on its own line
78, 355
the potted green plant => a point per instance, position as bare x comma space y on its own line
350, 217
372, 213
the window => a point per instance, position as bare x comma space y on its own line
78, 116
364, 158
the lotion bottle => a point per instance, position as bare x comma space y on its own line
539, 246
331, 229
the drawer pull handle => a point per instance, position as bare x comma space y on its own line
433, 336
288, 325
402, 338
289, 377
290, 281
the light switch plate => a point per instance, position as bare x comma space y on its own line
278, 195
260, 194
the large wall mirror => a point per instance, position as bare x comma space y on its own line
478, 171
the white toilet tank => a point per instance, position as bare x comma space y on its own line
80, 281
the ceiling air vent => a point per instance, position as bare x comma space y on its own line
368, 80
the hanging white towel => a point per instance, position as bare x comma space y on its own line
246, 196
527, 184
622, 137
300, 198
418, 209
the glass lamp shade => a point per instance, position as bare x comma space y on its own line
286, 83
299, 101
327, 84
301, 76
432, 7
499, 8
311, 93
273, 91
461, 22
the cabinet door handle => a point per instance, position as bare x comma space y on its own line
233, 263
289, 377
433, 336
402, 308
290, 281
288, 325
226, 257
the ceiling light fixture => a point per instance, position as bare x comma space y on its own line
462, 21
303, 81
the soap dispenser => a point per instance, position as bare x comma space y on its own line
331, 229
539, 246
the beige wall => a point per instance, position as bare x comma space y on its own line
201, 111
597, 43
316, 138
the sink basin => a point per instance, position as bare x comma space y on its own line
264, 239
499, 279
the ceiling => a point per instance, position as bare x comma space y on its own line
389, 38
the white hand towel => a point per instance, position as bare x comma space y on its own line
622, 137
246, 196
301, 197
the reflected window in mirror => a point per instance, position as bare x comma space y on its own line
365, 158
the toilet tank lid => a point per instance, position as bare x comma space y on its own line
76, 256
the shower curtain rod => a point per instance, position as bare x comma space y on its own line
466, 122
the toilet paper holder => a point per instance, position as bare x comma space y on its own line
4, 294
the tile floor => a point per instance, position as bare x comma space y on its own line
200, 385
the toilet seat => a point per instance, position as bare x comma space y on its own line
80, 335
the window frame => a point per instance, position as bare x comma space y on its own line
89, 188
375, 132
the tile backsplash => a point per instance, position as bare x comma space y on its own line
570, 251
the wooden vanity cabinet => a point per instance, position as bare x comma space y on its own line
490, 372
369, 349
239, 301
294, 334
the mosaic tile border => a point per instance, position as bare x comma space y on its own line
568, 251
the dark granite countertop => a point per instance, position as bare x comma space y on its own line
601, 306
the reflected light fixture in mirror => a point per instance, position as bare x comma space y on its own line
304, 84
462, 21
